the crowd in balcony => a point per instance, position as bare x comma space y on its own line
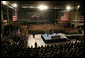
57, 28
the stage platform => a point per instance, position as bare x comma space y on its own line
40, 41
55, 37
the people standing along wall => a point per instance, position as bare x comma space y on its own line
19, 31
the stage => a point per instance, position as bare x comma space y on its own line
40, 41
55, 37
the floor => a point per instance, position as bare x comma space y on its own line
38, 39
40, 42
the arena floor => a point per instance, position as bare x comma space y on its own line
40, 42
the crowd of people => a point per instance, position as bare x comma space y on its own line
13, 45
47, 27
16, 32
11, 48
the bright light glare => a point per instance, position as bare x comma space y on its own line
42, 7
68, 8
14, 5
78, 6
31, 7
4, 2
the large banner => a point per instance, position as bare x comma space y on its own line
35, 15
14, 17
81, 19
64, 17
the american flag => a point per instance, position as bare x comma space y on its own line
15, 16
81, 19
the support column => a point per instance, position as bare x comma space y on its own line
7, 14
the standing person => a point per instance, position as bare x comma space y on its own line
79, 30
19, 31
33, 35
35, 44
50, 31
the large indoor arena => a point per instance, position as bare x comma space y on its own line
42, 29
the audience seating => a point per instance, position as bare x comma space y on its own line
11, 48
15, 46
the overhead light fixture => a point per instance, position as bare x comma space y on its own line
68, 8
78, 6
14, 5
42, 7
4, 2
